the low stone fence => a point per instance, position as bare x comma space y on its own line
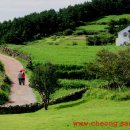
15, 53
37, 106
21, 109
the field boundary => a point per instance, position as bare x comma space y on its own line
15, 53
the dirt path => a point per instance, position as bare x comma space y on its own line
20, 94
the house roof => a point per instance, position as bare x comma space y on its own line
127, 28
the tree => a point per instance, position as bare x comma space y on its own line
114, 67
44, 80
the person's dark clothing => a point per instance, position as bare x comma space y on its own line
23, 78
20, 78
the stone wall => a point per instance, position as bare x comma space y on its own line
15, 53
21, 109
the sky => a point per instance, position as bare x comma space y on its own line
10, 9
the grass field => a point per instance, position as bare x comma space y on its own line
63, 53
62, 116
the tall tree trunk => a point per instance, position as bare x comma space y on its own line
44, 100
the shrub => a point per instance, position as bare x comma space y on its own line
74, 43
29, 65
91, 71
1, 67
68, 32
3, 97
5, 88
37, 36
100, 40
7, 81
114, 67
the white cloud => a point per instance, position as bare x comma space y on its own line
16, 8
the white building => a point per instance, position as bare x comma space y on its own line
123, 37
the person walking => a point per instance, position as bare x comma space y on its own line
23, 78
20, 77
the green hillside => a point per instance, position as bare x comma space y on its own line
96, 105
107, 19
71, 49
49, 22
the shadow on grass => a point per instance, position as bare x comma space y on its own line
71, 104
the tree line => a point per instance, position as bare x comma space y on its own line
37, 25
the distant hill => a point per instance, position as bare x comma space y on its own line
46, 23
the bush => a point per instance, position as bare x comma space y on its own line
37, 37
100, 40
7, 81
91, 71
29, 65
3, 97
74, 43
68, 32
4, 91
1, 67
5, 88
114, 67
